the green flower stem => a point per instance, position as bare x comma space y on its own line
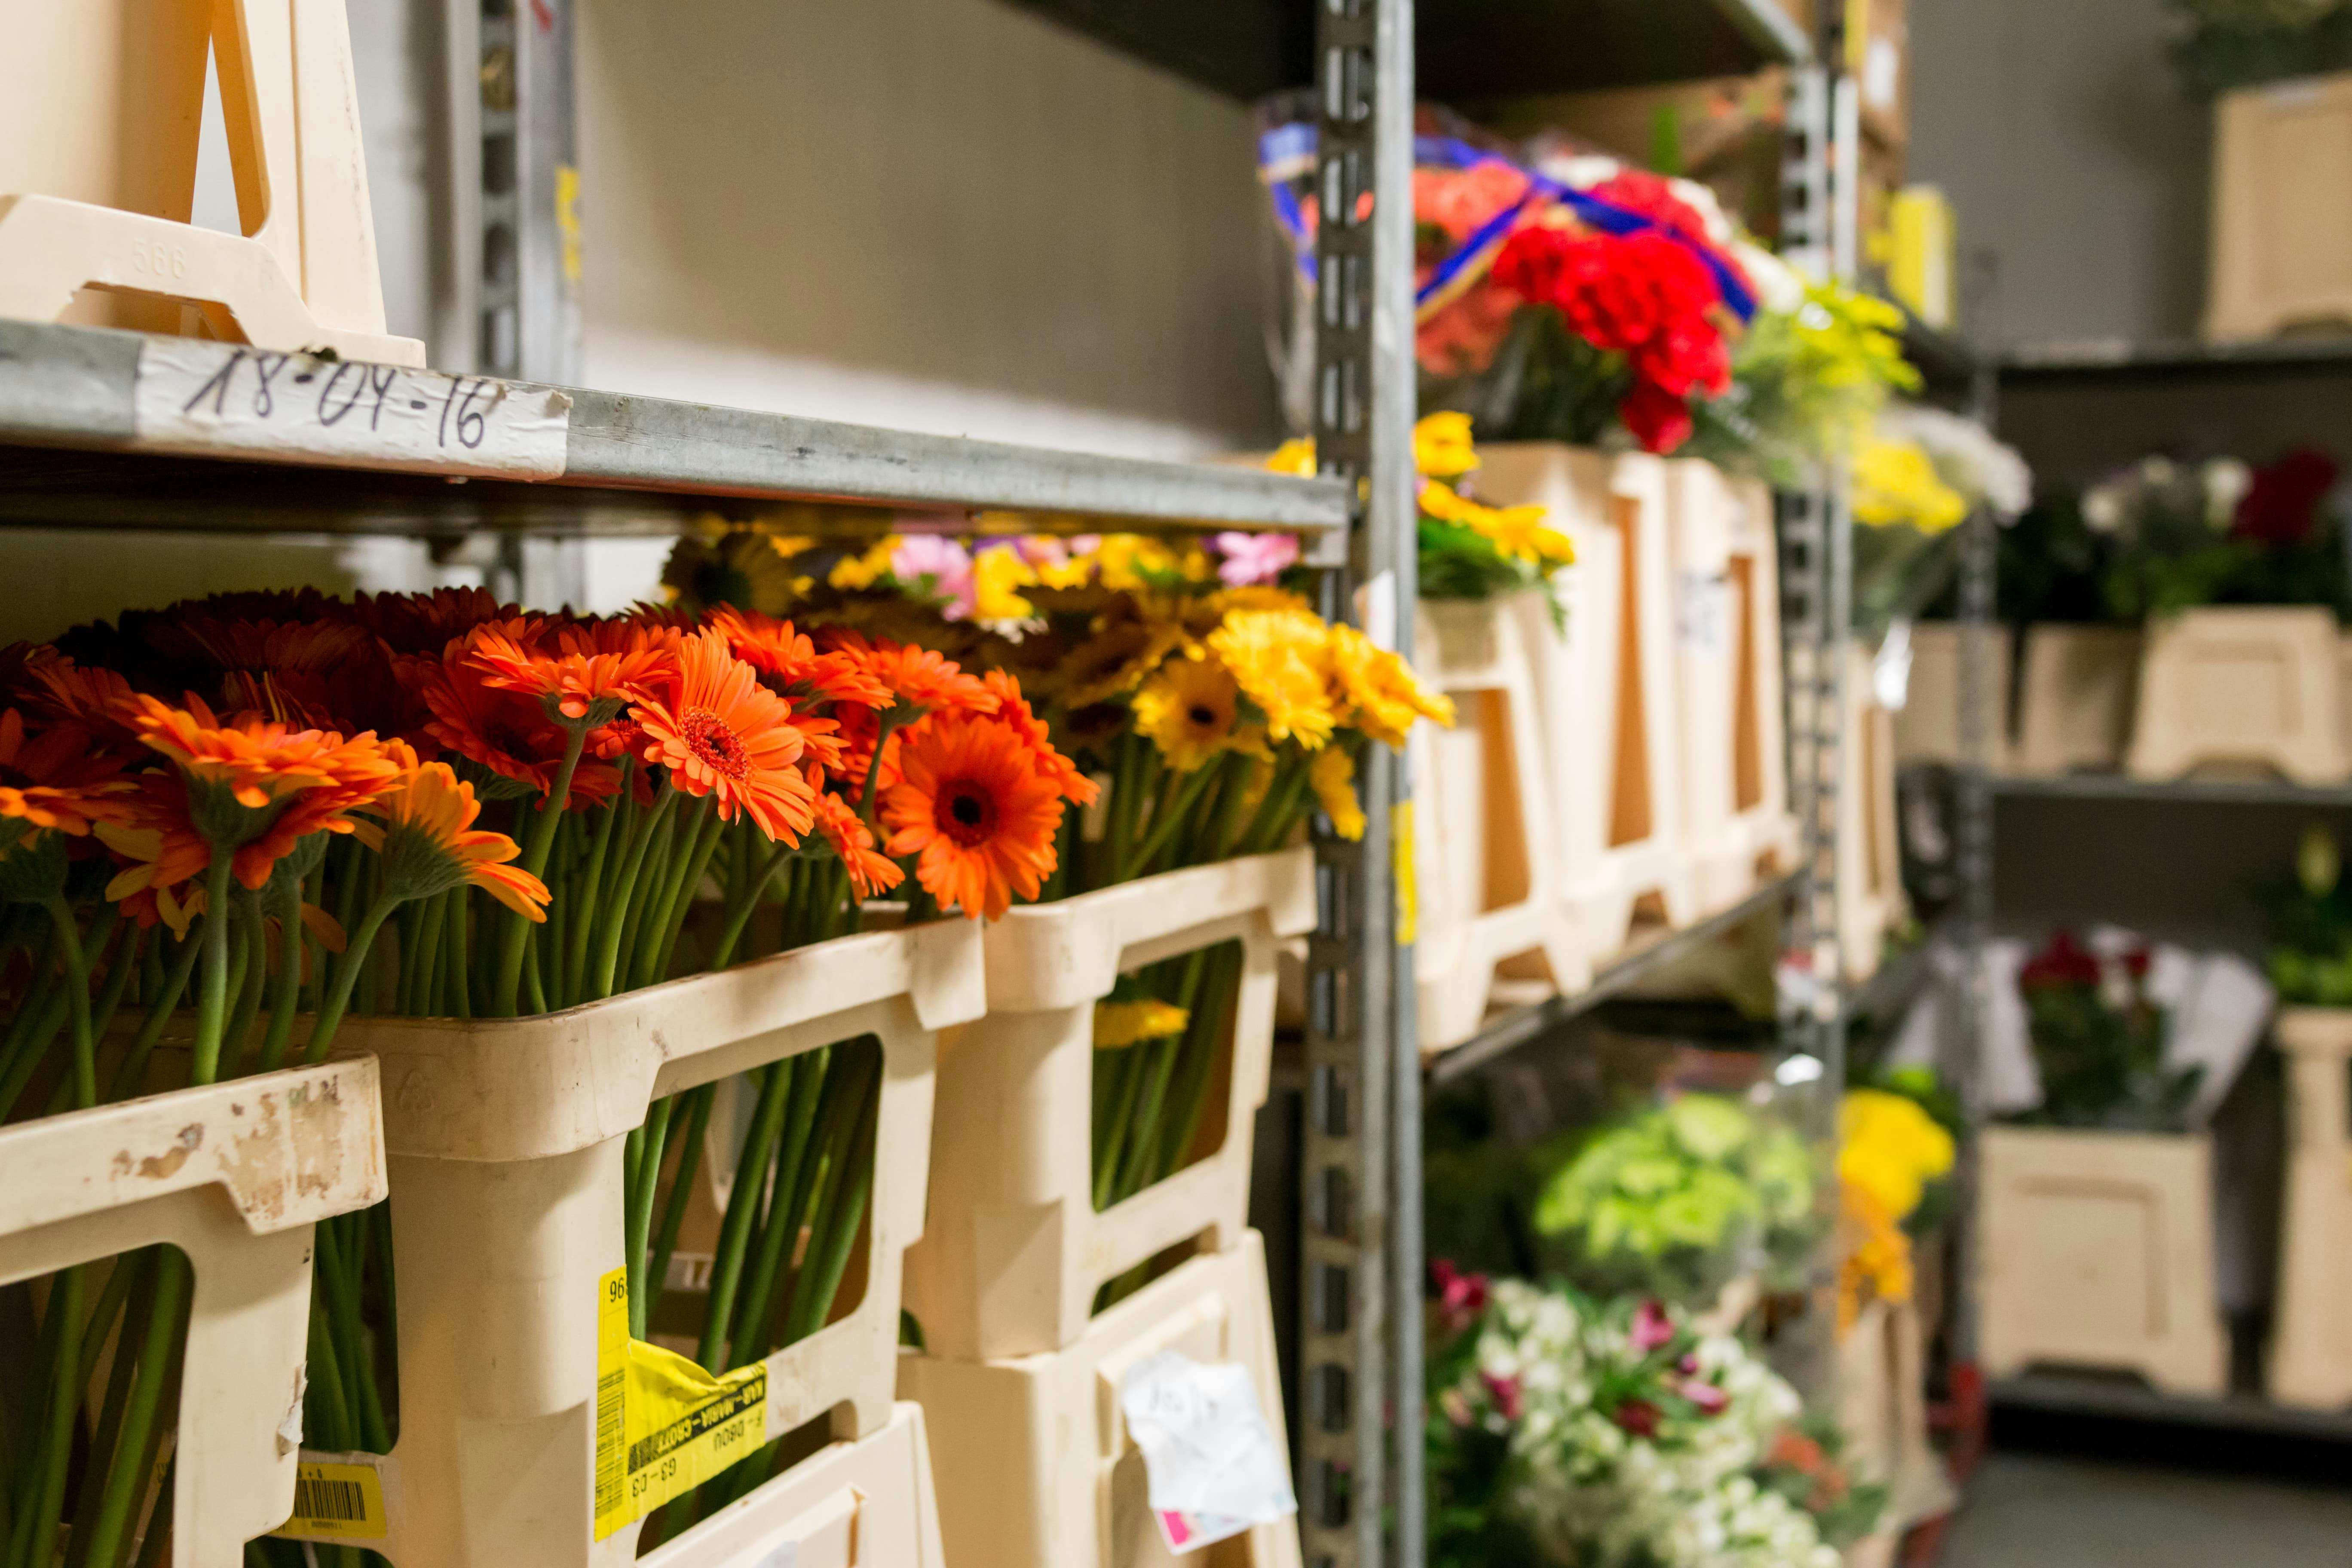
1165, 823
695, 827
661, 860
347, 974
623, 898
126, 1485
85, 1047
681, 1193
120, 1281
433, 913
159, 1523
513, 925
1143, 1133
1204, 1033
682, 902
100, 1457
252, 984
1279, 812
742, 1201
339, 1256
591, 891
1113, 1142
34, 1003
811, 1092
290, 979
841, 1204
34, 1050
36, 1528
639, 1213
748, 904
160, 1009
455, 980
212, 996
887, 722
1217, 842
1120, 826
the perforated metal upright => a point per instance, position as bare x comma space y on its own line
1360, 1334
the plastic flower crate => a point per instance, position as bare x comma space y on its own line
1870, 897
2250, 685
1606, 686
1927, 726
1035, 1465
1014, 1250
234, 1176
866, 1504
98, 173
2097, 1251
2282, 208
506, 1141
1488, 866
1734, 788
2310, 1361
2075, 707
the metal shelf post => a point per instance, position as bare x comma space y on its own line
1359, 1351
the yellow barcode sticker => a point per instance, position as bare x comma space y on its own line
1407, 890
664, 1426
337, 1501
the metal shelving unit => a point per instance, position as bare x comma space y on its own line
2063, 1393
2213, 792
2119, 359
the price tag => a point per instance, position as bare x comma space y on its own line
1213, 1465
210, 398
1703, 612
338, 1497
664, 1426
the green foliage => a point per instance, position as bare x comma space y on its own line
1808, 1466
2311, 920
1803, 384
2223, 44
2098, 1041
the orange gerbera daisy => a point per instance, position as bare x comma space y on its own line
969, 801
723, 736
577, 683
429, 842
503, 731
790, 665
918, 677
870, 870
1012, 712
425, 623
57, 779
250, 787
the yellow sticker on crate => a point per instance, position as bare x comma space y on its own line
1407, 887
664, 1426
342, 1502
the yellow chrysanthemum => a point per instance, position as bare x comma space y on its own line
1516, 531
1377, 693
1279, 658
1134, 561
1441, 446
1118, 1024
1117, 659
1332, 775
853, 572
1877, 1258
1075, 571
1260, 596
998, 575
1890, 1149
1895, 483
1294, 458
1192, 711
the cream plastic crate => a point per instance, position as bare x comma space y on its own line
234, 1176
1882, 1400
506, 1139
2074, 708
2097, 1252
1733, 800
1607, 688
2245, 686
2282, 208
2310, 1361
1927, 727
100, 102
1870, 898
1012, 1249
1487, 863
866, 1504
1032, 1457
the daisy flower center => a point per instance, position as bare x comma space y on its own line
1203, 716
715, 742
967, 812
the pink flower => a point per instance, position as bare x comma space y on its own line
1710, 1400
947, 563
1247, 558
1505, 1391
1461, 1297
1651, 1328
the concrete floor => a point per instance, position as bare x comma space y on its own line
2046, 1510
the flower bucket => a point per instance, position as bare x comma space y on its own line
2097, 1251
1606, 687
1870, 897
507, 1144
1035, 1465
1734, 795
2245, 686
1881, 1398
2278, 211
2074, 708
1014, 1249
101, 195
235, 1176
2310, 1361
1488, 865
845, 1506
1927, 728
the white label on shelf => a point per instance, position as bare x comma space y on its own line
1882, 73
1703, 612
194, 395
1213, 1466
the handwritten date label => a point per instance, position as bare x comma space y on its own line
212, 398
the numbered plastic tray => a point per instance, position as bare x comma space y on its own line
234, 1176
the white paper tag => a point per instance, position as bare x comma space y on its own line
1211, 1462
193, 395
1881, 72
1703, 612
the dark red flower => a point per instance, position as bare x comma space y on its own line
1650, 1329
2284, 503
1505, 1391
2064, 962
1638, 1417
1659, 420
1461, 1298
